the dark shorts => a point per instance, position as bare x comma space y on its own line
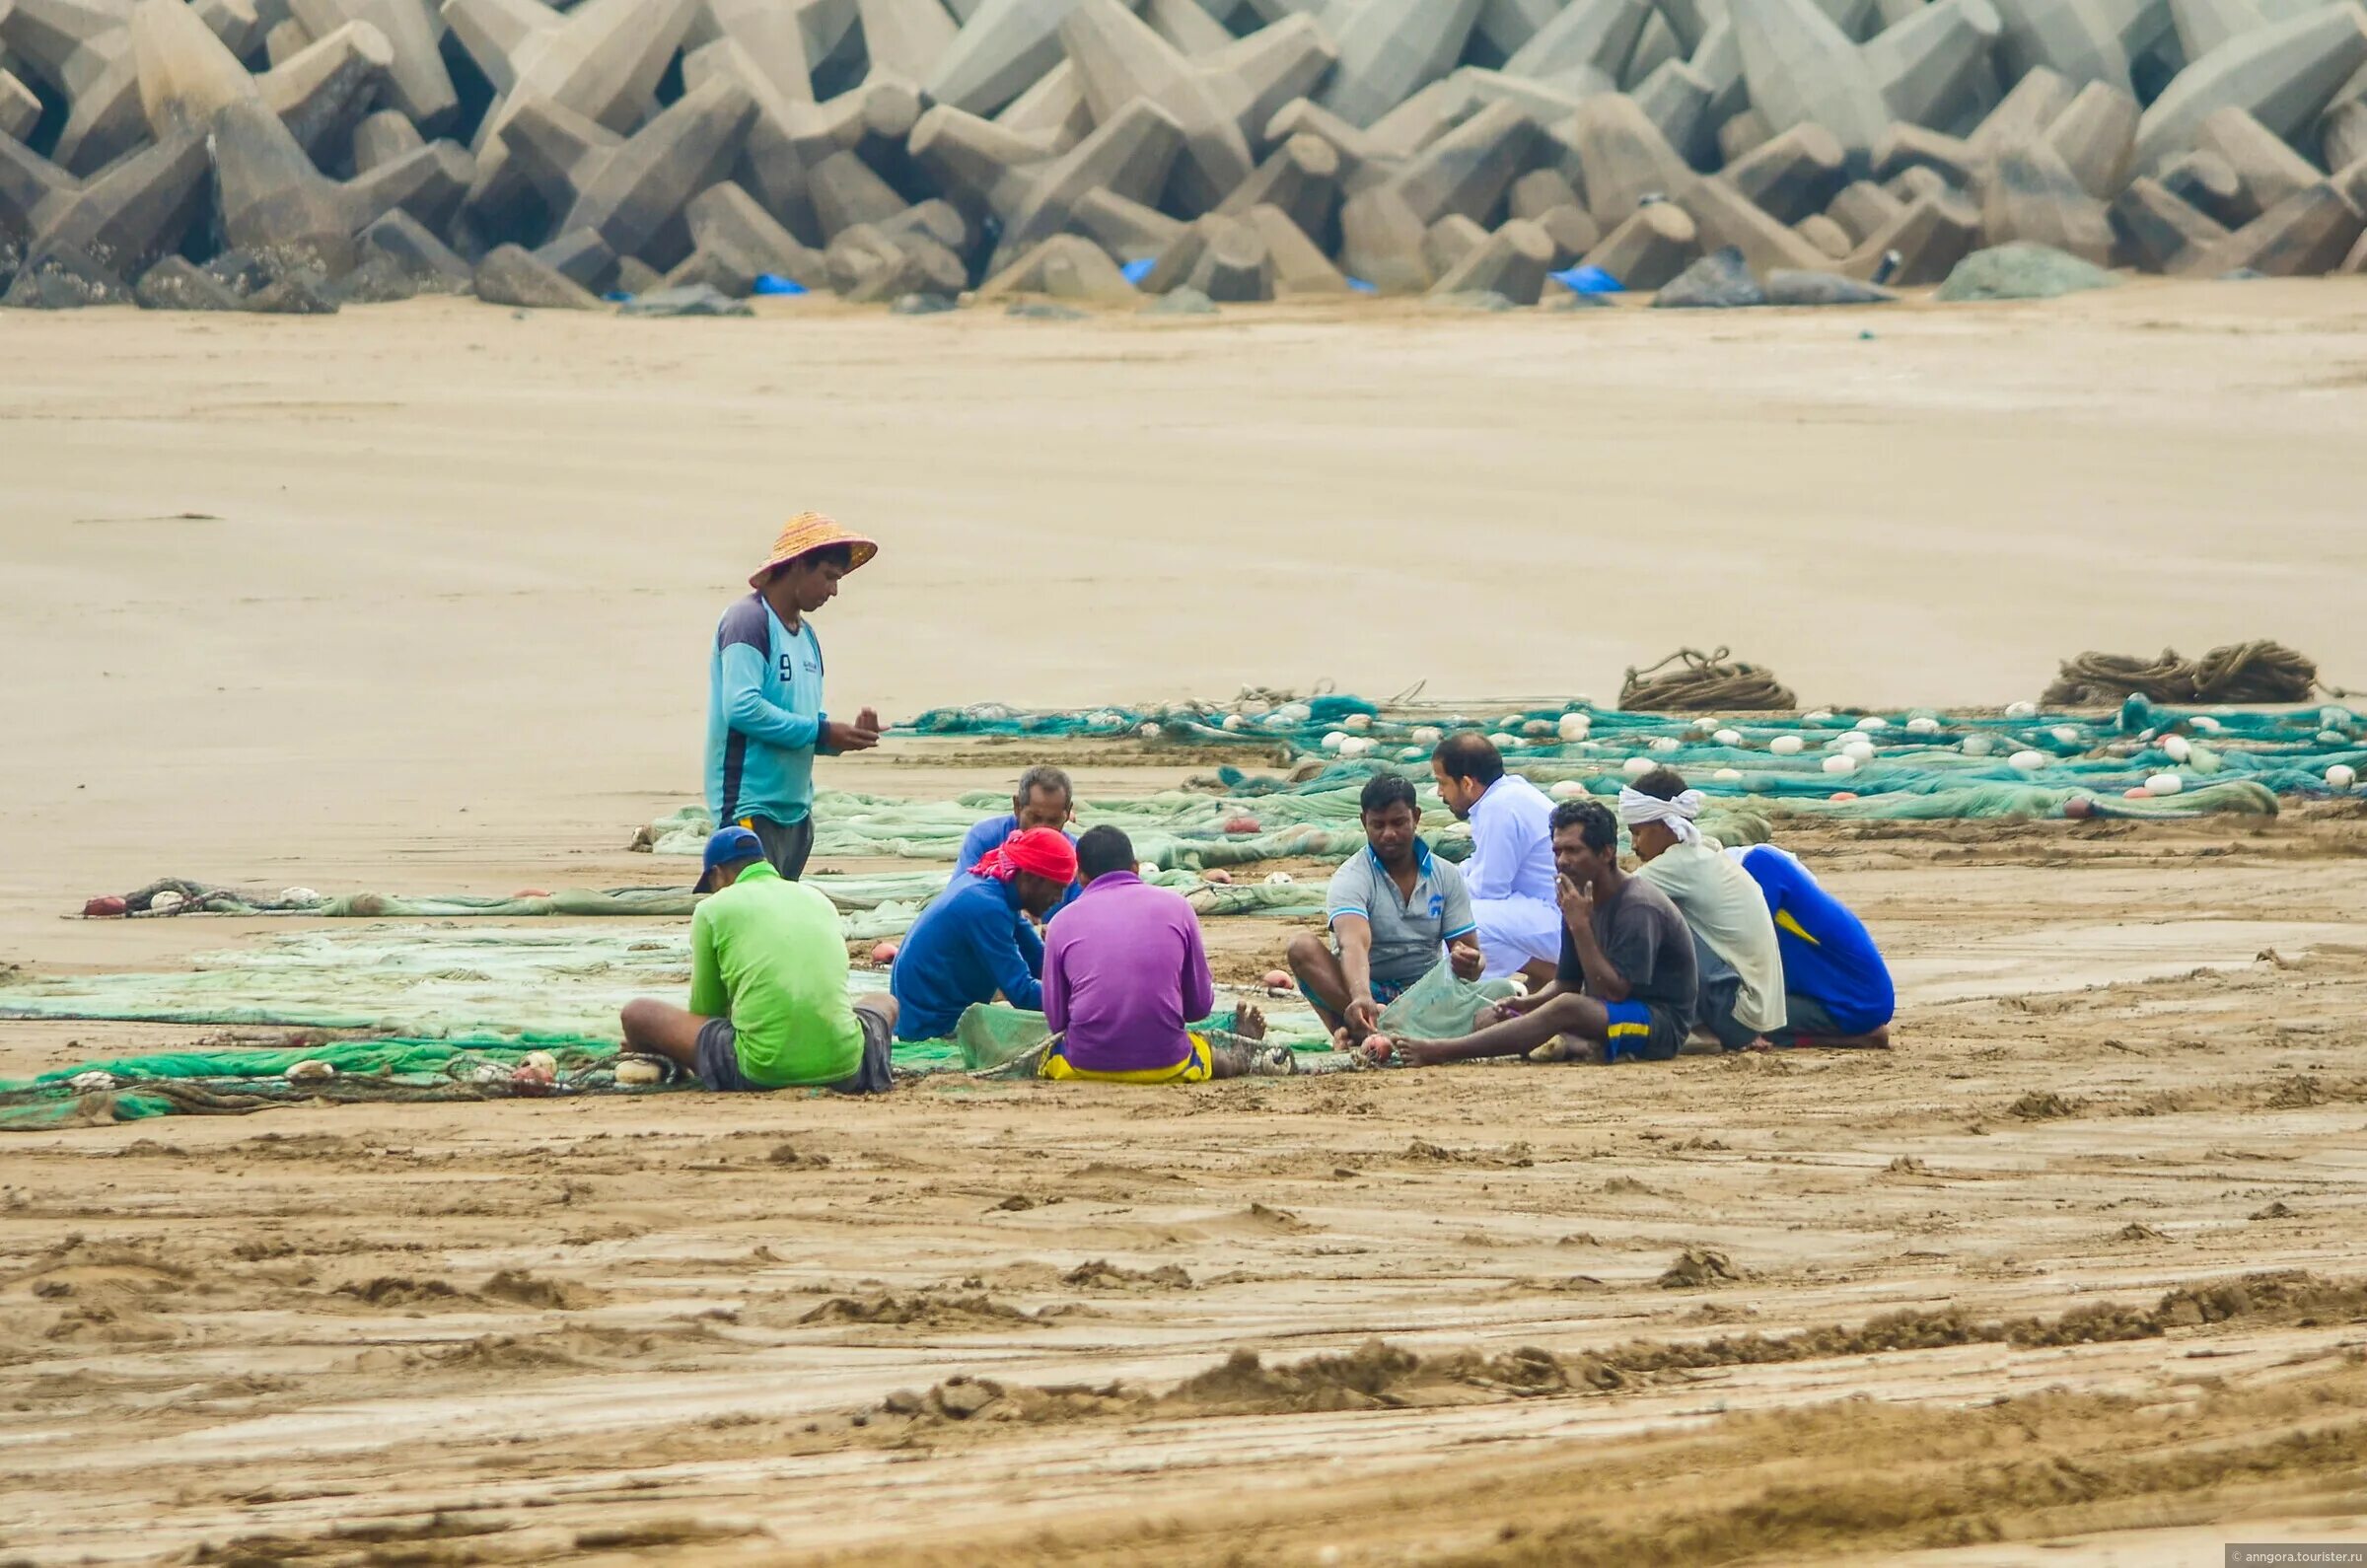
787, 846
1384, 991
1642, 1031
719, 1059
1806, 1019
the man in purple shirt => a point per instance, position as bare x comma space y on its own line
1124, 973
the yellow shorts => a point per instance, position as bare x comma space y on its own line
1197, 1068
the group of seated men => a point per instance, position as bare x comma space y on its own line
1743, 945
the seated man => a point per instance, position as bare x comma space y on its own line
768, 1006
1838, 989
1043, 799
974, 942
1510, 873
1393, 910
1624, 986
1124, 973
1741, 1001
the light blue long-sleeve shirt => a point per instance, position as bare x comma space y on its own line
765, 718
1510, 876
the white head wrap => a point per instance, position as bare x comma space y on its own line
1636, 808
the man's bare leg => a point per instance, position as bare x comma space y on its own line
1581, 1015
1317, 968
1538, 974
660, 1029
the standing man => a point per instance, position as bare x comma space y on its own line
1623, 989
1741, 968
1393, 909
1510, 873
1124, 973
974, 942
765, 722
768, 1006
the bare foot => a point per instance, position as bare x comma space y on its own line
1569, 1049
1417, 1052
1249, 1021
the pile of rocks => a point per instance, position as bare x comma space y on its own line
292, 153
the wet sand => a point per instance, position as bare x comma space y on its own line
440, 626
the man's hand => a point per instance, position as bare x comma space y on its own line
856, 737
1465, 959
1577, 904
1506, 1011
1362, 1016
868, 719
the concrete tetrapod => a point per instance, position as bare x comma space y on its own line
627, 189
724, 217
2283, 75
1619, 158
188, 76
1000, 52
1802, 69
1127, 229
1300, 268
2079, 40
602, 60
2031, 194
1512, 262
1301, 177
2308, 232
83, 47
121, 218
1653, 245
509, 275
1120, 59
274, 201
1389, 47
1792, 175
2156, 230
1066, 266
416, 81
1929, 67
2097, 137
1129, 154
2265, 164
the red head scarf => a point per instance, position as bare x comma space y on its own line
1041, 851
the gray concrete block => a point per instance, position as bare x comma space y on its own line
1930, 66
1862, 208
1388, 48
407, 242
416, 84
1300, 268
2308, 232
270, 198
1931, 234
1803, 69
727, 218
1653, 245
1448, 240
2030, 195
1827, 235
2265, 164
2283, 75
1792, 175
1726, 217
2155, 230
1589, 41
2097, 136
179, 284
1512, 262
123, 218
1622, 158
1301, 177
509, 275
1127, 229
1382, 242
629, 190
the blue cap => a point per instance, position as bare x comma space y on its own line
727, 846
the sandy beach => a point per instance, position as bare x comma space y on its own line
418, 598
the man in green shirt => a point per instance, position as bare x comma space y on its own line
768, 1004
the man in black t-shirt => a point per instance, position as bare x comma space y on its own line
1626, 985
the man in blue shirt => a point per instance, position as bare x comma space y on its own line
1043, 799
765, 722
1838, 989
974, 942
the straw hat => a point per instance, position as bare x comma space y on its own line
811, 530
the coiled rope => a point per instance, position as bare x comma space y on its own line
2244, 671
1703, 683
